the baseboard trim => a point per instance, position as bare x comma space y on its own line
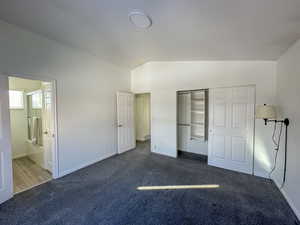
261, 174
20, 156
164, 154
288, 199
191, 155
86, 164
141, 139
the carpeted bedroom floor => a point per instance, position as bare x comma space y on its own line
106, 193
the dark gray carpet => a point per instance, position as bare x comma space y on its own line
106, 193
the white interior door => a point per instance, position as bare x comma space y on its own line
6, 182
231, 128
125, 111
48, 125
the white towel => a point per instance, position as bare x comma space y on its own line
36, 131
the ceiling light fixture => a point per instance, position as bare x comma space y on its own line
140, 20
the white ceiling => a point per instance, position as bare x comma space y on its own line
183, 30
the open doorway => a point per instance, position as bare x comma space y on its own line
31, 108
143, 120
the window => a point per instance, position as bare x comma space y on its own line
16, 100
37, 100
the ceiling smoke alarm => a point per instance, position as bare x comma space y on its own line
140, 20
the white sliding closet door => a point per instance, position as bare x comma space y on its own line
125, 111
231, 128
6, 183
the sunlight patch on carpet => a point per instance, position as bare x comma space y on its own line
175, 187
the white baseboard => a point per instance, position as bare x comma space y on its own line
20, 156
288, 199
261, 174
141, 139
145, 138
164, 154
66, 172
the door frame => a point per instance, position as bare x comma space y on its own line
55, 155
210, 117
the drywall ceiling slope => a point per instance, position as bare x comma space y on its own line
181, 31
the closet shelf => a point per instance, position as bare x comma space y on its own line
196, 137
192, 110
198, 111
197, 124
198, 99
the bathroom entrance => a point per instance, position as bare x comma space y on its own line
32, 125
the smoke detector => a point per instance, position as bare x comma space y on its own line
140, 20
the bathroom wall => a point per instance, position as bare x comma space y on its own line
142, 116
19, 116
35, 151
18, 132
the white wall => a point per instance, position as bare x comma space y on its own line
163, 79
86, 91
142, 117
18, 126
288, 87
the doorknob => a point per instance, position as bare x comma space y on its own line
45, 132
120, 125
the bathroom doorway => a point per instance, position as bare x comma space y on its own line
32, 122
143, 121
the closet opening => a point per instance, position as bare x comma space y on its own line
143, 121
32, 132
192, 124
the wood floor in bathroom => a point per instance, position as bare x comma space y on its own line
27, 174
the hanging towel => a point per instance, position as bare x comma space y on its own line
36, 131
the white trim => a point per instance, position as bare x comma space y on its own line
165, 154
39, 91
288, 199
86, 164
29, 77
55, 158
19, 156
16, 108
143, 139
262, 174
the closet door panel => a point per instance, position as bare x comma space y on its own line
232, 128
183, 138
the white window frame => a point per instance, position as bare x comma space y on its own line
37, 92
21, 100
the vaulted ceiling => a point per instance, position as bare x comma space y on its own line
183, 30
